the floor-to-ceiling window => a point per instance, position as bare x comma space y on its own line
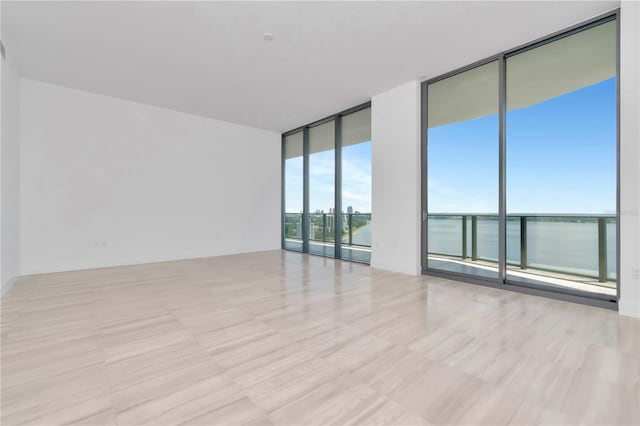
521, 166
322, 189
463, 171
293, 175
561, 162
356, 186
327, 186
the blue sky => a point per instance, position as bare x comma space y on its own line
293, 185
356, 180
561, 158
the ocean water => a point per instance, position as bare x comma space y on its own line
569, 246
361, 236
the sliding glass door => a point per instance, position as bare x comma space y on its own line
462, 172
520, 166
561, 162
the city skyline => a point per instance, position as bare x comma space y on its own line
356, 180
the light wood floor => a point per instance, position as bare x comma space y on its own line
290, 339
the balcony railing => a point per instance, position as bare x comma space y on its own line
321, 227
293, 226
582, 245
355, 228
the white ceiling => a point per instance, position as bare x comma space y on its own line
210, 59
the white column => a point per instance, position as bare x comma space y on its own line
629, 158
395, 135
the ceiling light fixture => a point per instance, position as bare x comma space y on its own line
268, 36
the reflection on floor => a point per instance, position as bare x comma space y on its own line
529, 276
286, 338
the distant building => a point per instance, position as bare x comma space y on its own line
349, 209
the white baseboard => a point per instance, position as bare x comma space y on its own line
6, 286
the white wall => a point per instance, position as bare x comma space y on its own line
9, 177
110, 182
395, 135
629, 158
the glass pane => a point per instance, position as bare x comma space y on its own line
561, 163
321, 189
462, 167
293, 172
356, 186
